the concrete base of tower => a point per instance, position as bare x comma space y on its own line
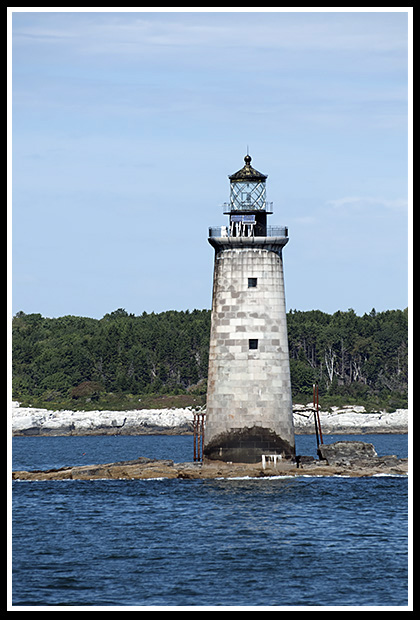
247, 445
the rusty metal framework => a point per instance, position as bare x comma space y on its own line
198, 428
317, 420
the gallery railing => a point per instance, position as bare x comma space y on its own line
271, 231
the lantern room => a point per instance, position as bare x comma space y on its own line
248, 207
247, 188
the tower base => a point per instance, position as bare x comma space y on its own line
247, 445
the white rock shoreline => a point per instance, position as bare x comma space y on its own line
30, 421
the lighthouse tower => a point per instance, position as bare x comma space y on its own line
249, 401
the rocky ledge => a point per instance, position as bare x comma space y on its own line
342, 458
31, 421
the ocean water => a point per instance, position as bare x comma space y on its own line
279, 542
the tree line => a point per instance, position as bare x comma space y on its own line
349, 355
73, 357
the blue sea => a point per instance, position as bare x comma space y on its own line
270, 542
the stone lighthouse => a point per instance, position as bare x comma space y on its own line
249, 400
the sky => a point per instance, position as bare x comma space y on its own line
124, 127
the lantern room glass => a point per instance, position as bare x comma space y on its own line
247, 196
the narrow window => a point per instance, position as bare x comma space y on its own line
252, 282
253, 343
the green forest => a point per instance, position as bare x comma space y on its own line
151, 360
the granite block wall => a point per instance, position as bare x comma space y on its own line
249, 403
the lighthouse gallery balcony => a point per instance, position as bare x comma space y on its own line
274, 239
271, 231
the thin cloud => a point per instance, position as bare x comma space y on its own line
104, 32
352, 202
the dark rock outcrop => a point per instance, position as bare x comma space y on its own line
343, 452
144, 468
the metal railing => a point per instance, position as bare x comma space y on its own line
228, 207
272, 231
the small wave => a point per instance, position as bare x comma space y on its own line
300, 476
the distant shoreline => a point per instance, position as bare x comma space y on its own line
34, 422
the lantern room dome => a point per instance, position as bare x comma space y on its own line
247, 173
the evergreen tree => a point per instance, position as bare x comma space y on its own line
347, 355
